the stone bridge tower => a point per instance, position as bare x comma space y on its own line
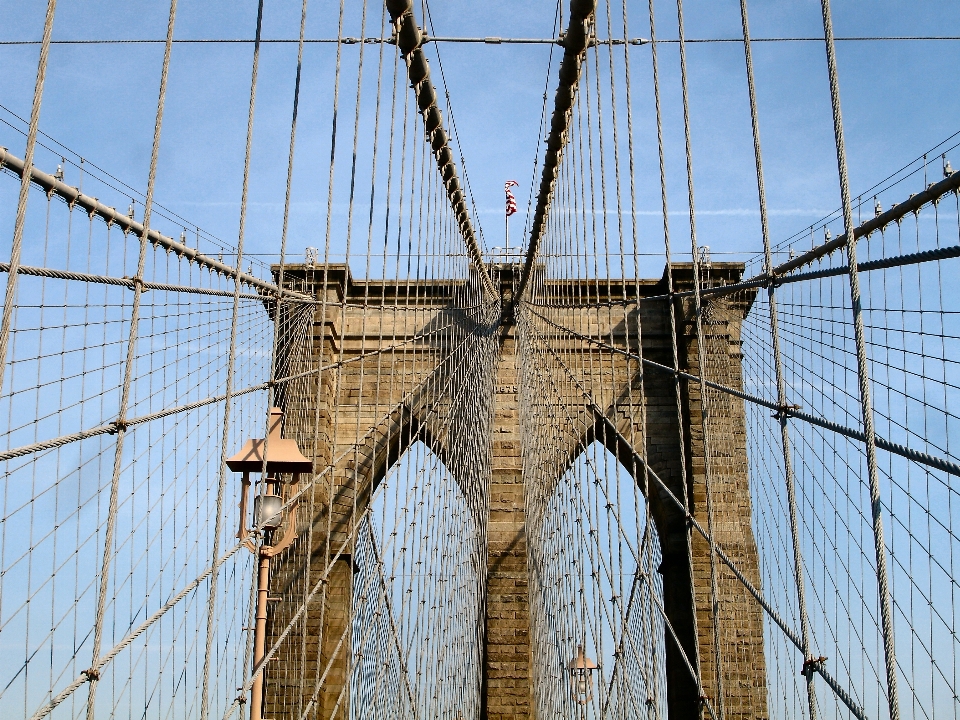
342, 328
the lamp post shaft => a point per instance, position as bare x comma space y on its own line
259, 637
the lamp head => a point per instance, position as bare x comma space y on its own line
266, 511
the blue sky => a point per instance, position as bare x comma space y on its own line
899, 99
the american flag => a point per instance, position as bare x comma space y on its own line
511, 200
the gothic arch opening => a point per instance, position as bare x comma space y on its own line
417, 595
596, 593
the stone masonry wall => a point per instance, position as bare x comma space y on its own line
675, 450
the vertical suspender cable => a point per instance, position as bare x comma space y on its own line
701, 358
644, 544
308, 555
228, 392
17, 245
778, 369
863, 372
128, 371
323, 331
674, 344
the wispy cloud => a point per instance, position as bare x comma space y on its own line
732, 212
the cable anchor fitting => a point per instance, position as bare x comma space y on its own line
812, 665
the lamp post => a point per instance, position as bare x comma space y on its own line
282, 457
580, 669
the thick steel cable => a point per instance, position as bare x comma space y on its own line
128, 371
286, 216
72, 196
17, 246
931, 195
324, 292
112, 428
863, 371
231, 361
409, 39
124, 282
428, 19
575, 45
486, 40
542, 121
808, 657
353, 523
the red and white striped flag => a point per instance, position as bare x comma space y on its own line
511, 200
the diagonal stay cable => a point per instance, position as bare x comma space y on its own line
111, 428
107, 657
756, 593
123, 281
111, 654
939, 463
258, 670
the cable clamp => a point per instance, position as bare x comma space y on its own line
136, 281
118, 425
785, 411
91, 674
812, 665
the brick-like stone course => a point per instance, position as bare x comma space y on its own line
327, 421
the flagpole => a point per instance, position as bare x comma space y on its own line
509, 209
506, 225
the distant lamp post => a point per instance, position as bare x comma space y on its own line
282, 457
581, 668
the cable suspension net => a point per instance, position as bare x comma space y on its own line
408, 477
